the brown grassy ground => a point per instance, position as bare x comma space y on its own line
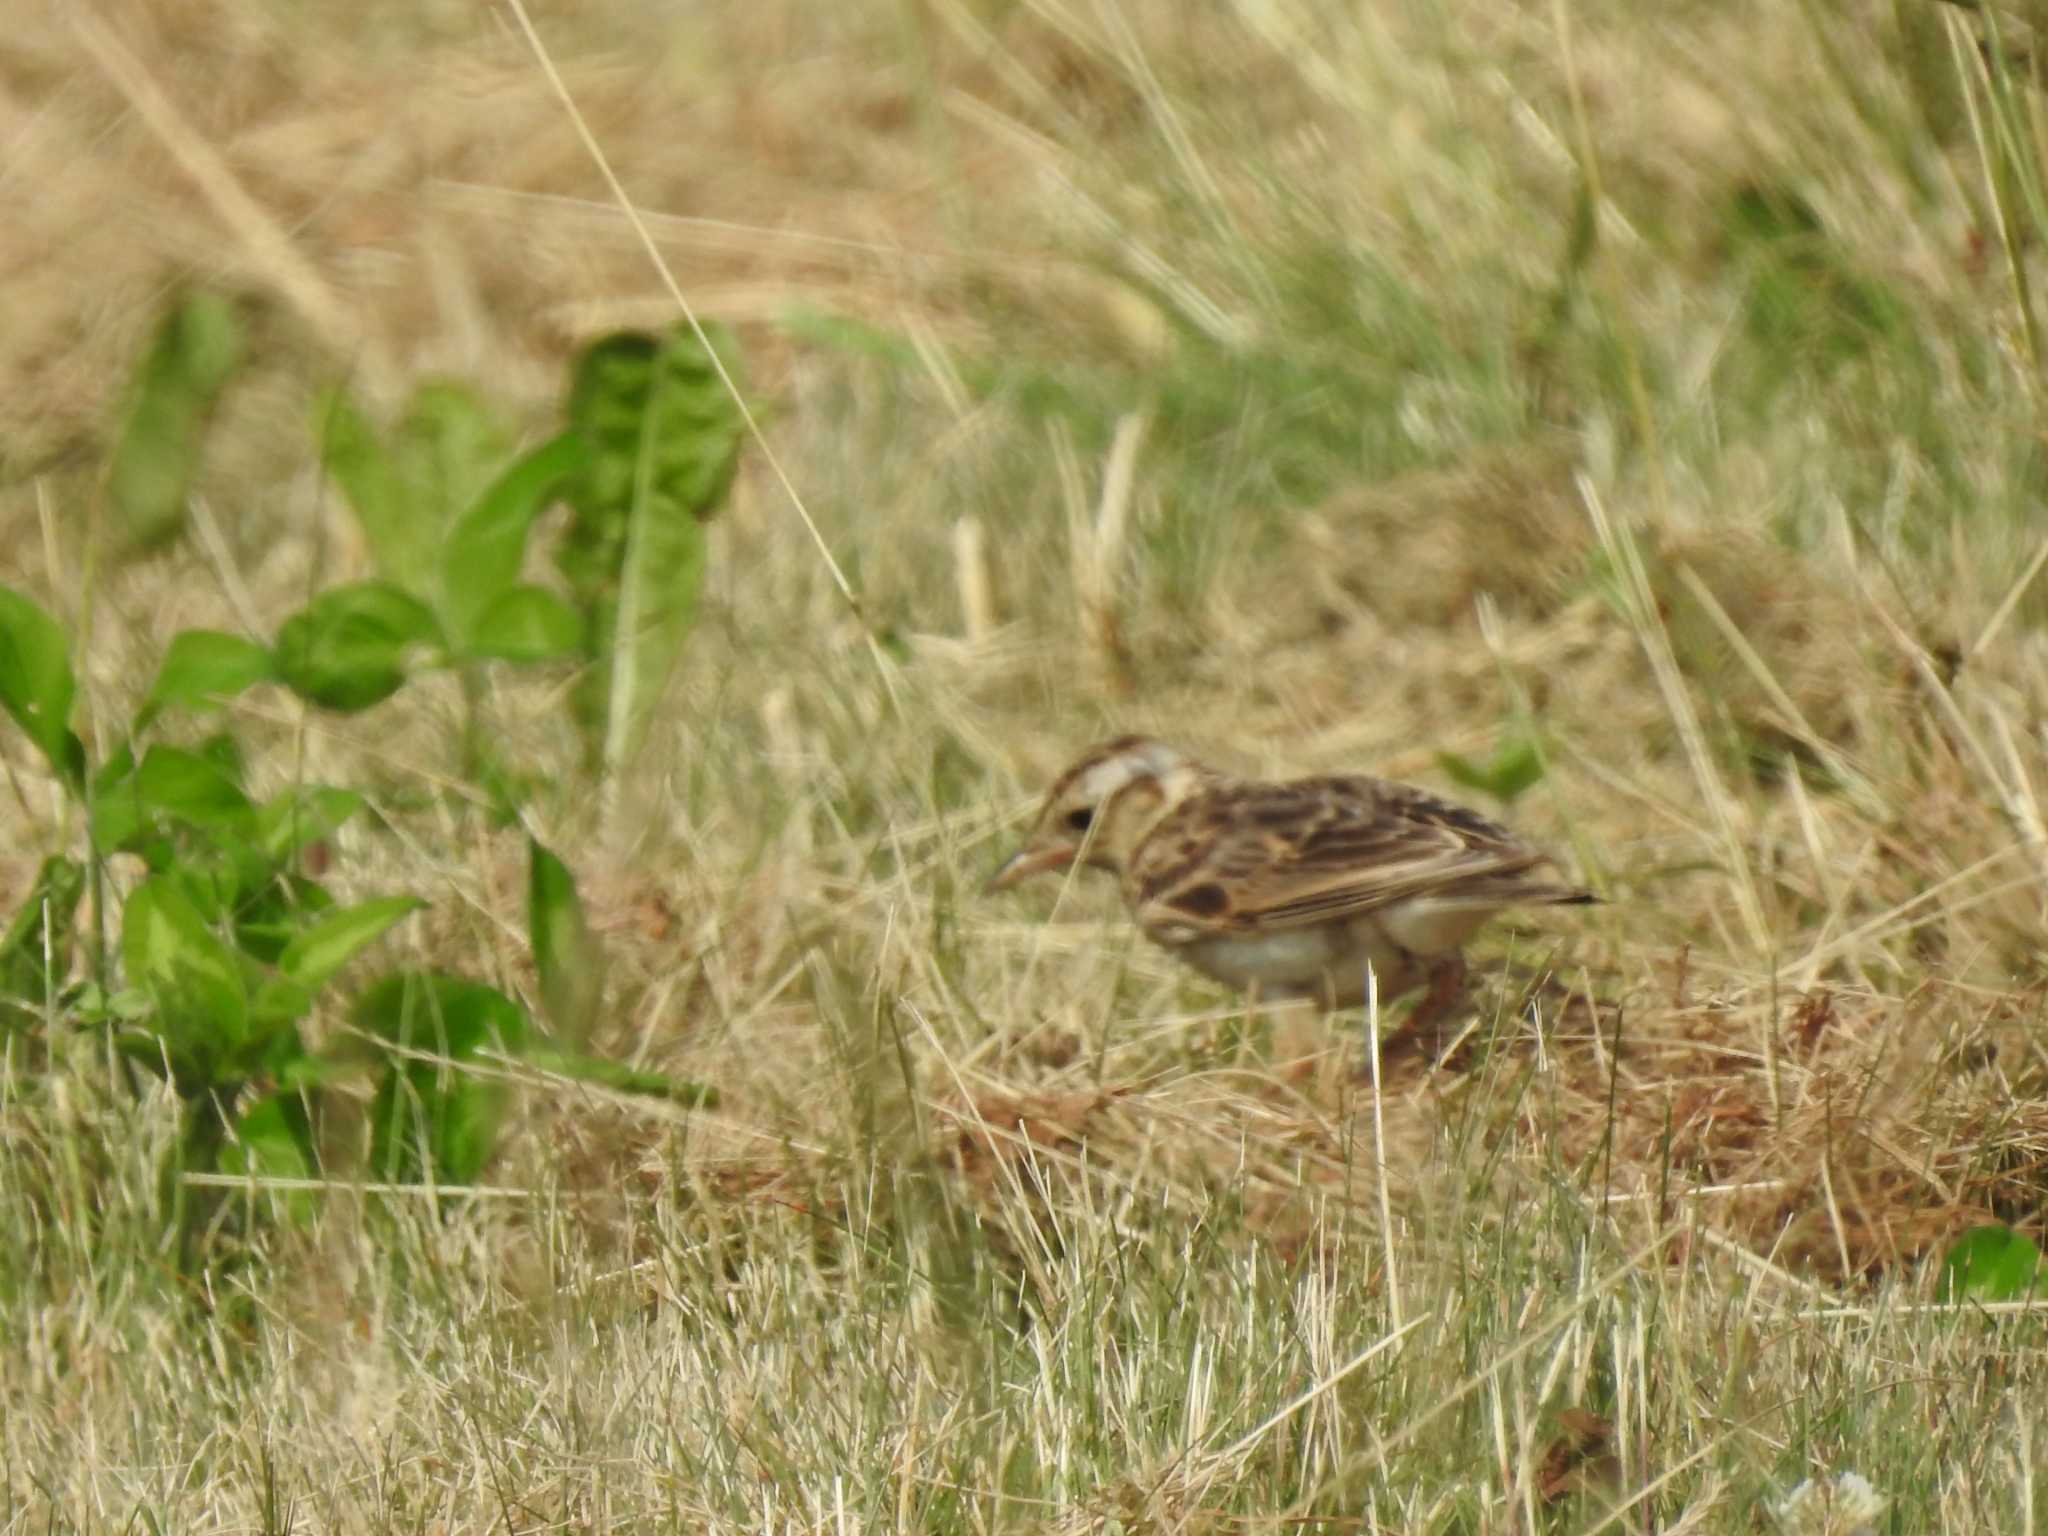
1778, 640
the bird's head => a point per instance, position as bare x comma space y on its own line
1097, 810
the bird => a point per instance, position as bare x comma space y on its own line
1289, 888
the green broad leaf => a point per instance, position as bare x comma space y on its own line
664, 431
195, 351
195, 983
446, 1016
119, 820
527, 624
620, 1078
451, 446
434, 1127
279, 1001
214, 879
355, 456
202, 788
661, 426
35, 953
280, 905
273, 1139
1516, 765
146, 1047
350, 647
202, 668
566, 953
224, 752
307, 1070
171, 786
1992, 1263
406, 486
481, 557
320, 951
432, 1118
301, 815
95, 1005
37, 687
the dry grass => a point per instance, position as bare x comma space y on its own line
1003, 1223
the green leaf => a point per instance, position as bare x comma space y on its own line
450, 445
565, 952
319, 1071
201, 668
273, 1139
527, 624
224, 751
431, 1118
446, 1015
202, 788
184, 814
279, 1001
1992, 1263
280, 906
120, 824
315, 955
36, 683
170, 788
384, 504
303, 814
621, 1078
349, 648
35, 954
406, 488
95, 1005
196, 348
663, 431
481, 557
1517, 764
201, 1005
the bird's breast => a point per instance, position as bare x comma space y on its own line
1298, 959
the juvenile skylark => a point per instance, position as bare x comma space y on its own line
1289, 888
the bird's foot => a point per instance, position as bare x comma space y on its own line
1425, 1028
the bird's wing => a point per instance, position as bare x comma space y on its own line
1251, 858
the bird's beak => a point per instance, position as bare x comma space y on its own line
1026, 862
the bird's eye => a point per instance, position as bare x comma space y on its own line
1079, 820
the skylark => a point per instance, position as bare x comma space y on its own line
1289, 888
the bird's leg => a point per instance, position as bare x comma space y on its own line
1446, 990
1391, 1043
1424, 1025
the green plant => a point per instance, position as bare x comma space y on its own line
196, 349
1515, 767
229, 939
227, 942
663, 432
449, 1040
645, 458
1992, 1263
35, 953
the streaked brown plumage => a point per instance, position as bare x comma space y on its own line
1288, 888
